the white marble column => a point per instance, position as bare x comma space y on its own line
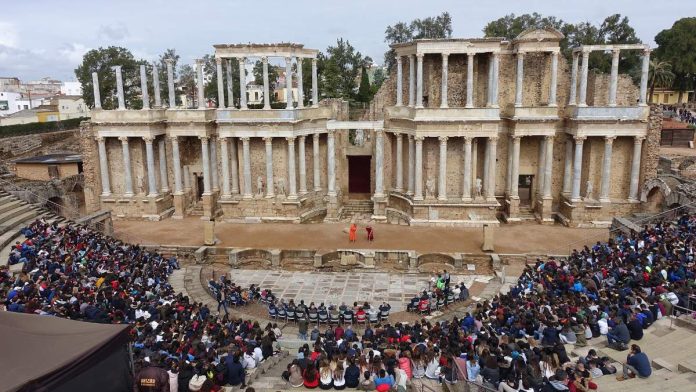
266, 90
470, 80
234, 173
418, 195
292, 176
205, 162
577, 169
419, 81
411, 165
445, 66
466, 181
176, 161
315, 84
187, 178
127, 177
104, 167
246, 157
442, 170
583, 77
614, 78
474, 161
302, 164
214, 164
412, 80
635, 169
554, 79
644, 72
492, 150
573, 81
150, 159
225, 158
541, 172
519, 80
496, 76
548, 167
95, 86
606, 169
508, 175
119, 87
220, 83
315, 162
170, 83
399, 81
242, 88
164, 183
270, 182
515, 175
568, 167
379, 163
156, 86
300, 87
331, 162
200, 83
230, 85
399, 163
288, 83
144, 93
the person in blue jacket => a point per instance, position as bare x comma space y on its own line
637, 364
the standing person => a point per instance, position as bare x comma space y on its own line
353, 230
302, 326
370, 233
152, 378
221, 299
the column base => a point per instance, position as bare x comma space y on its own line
164, 191
128, 194
419, 106
467, 199
292, 197
179, 206
106, 194
442, 198
418, 198
270, 195
444, 106
633, 200
317, 189
400, 190
247, 197
553, 105
604, 200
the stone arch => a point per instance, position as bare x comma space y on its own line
651, 184
56, 204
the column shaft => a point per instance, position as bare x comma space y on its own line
411, 165
470, 80
554, 79
519, 79
164, 182
548, 167
288, 83
119, 88
379, 163
315, 162
242, 90
568, 168
150, 158
419, 169
492, 150
496, 74
205, 162
583, 78
606, 169
445, 66
399, 163
220, 84
645, 69
230, 84
177, 166
270, 183
156, 85
635, 169
466, 182
486, 166
266, 90
508, 176
234, 173
514, 183
104, 167
200, 83
292, 177
412, 80
225, 158
302, 165
541, 172
187, 178
614, 78
419, 82
573, 81
399, 81
577, 169
95, 86
247, 168
170, 83
127, 177
331, 163
315, 84
300, 87
143, 87
442, 173
214, 164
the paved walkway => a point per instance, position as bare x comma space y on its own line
514, 238
348, 287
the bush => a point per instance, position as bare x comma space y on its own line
43, 127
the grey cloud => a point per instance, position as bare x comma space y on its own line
113, 32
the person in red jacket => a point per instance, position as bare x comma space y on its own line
310, 376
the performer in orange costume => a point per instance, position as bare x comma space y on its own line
353, 230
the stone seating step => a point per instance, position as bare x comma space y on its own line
14, 212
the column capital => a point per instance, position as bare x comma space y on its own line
288, 59
615, 52
264, 59
520, 53
419, 138
609, 139
123, 139
223, 139
100, 139
116, 67
302, 137
218, 60
638, 139
203, 138
398, 59
420, 55
290, 139
646, 52
200, 61
241, 60
316, 136
579, 139
330, 132
442, 139
549, 138
495, 54
493, 139
244, 139
267, 139
470, 54
445, 56
468, 139
169, 61
379, 132
148, 139
173, 138
554, 53
314, 61
517, 138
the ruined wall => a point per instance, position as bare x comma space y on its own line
651, 145
90, 167
39, 144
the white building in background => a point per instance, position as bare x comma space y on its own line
12, 102
71, 88
70, 106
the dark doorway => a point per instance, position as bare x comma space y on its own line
524, 189
199, 187
359, 172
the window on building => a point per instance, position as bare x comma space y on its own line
53, 171
26, 107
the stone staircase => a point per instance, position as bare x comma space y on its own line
196, 210
527, 214
16, 214
353, 208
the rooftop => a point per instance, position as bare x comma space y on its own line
68, 157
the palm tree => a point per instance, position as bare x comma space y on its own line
661, 75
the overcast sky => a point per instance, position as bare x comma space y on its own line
48, 37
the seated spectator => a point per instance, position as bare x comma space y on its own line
384, 382
619, 336
637, 364
352, 374
310, 376
367, 384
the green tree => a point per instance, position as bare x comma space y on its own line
162, 72
273, 73
661, 75
364, 91
675, 45
101, 60
510, 26
378, 78
187, 82
431, 27
339, 70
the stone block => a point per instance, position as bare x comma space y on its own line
488, 240
275, 257
209, 232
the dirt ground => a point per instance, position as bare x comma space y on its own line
678, 151
515, 238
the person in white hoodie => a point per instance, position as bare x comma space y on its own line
173, 377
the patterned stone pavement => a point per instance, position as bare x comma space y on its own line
337, 287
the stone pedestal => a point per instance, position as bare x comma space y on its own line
546, 211
369, 259
379, 209
332, 206
275, 257
412, 262
488, 241
232, 259
513, 208
209, 232
179, 206
317, 261
208, 206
